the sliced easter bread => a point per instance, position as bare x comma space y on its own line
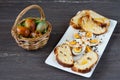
64, 55
86, 62
91, 21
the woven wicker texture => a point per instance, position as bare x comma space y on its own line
31, 43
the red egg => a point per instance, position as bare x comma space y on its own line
25, 32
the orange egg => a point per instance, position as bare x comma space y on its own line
30, 23
23, 31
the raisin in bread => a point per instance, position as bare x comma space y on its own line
91, 21
64, 55
86, 62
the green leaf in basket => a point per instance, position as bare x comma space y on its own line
23, 23
37, 21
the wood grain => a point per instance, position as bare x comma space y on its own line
19, 64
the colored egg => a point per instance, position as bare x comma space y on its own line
23, 31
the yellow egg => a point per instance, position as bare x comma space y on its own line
94, 41
77, 49
88, 49
89, 34
73, 42
76, 35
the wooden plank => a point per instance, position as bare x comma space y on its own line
19, 64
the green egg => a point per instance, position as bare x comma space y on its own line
42, 26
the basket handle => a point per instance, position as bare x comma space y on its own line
27, 9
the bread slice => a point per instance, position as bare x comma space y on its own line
87, 24
75, 20
64, 55
91, 21
103, 21
86, 62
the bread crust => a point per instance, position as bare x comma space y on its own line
72, 65
85, 70
59, 61
55, 50
62, 63
99, 33
78, 24
81, 71
89, 19
74, 25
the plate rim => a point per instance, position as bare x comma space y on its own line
89, 74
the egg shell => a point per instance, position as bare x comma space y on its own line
41, 26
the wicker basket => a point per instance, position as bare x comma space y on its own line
31, 43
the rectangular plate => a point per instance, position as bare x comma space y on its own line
51, 60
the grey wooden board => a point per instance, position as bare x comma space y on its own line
19, 64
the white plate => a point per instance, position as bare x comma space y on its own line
51, 60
